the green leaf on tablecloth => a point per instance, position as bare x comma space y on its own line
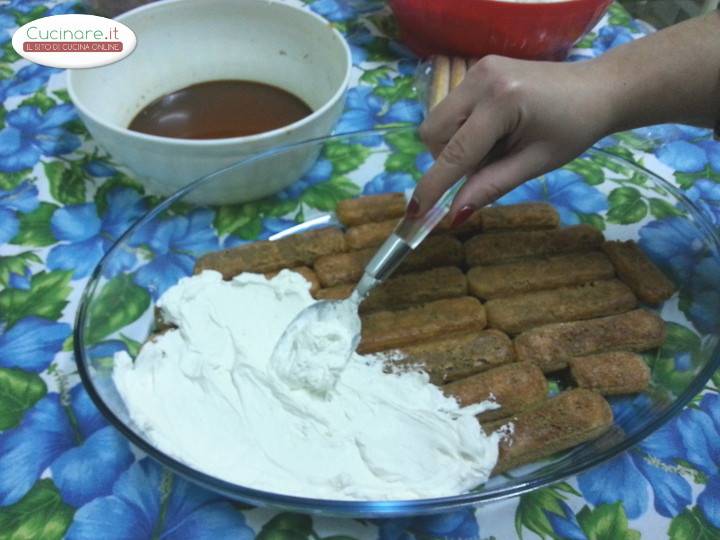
692, 525
406, 142
531, 511
660, 209
119, 303
62, 95
40, 514
606, 522
19, 390
594, 220
622, 152
275, 207
46, 297
612, 164
119, 180
9, 55
386, 23
243, 220
686, 180
34, 13
6, 71
373, 76
77, 127
345, 157
675, 364
592, 172
402, 87
67, 184
16, 264
633, 140
401, 162
35, 227
618, 15
40, 100
716, 379
626, 206
12, 180
680, 339
587, 41
326, 195
378, 50
287, 526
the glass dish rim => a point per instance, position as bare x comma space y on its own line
378, 508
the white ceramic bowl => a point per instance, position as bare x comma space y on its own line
183, 42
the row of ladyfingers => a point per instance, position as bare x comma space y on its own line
553, 289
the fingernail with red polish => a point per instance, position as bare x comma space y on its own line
462, 216
413, 208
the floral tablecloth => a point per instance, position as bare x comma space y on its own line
65, 473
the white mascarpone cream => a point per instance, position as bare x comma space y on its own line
315, 423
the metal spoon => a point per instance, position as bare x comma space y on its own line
406, 237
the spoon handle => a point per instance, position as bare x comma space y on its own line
407, 236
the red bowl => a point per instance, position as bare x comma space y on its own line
475, 28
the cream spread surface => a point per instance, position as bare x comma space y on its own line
315, 422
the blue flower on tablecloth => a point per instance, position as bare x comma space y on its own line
32, 343
359, 39
99, 169
343, 10
85, 236
424, 161
31, 134
706, 194
705, 295
318, 173
690, 157
148, 502
565, 526
175, 243
7, 23
20, 281
692, 438
459, 525
365, 110
63, 8
22, 6
626, 479
274, 225
27, 80
611, 36
665, 133
565, 190
20, 200
388, 182
675, 245
72, 439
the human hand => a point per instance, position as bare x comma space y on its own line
507, 122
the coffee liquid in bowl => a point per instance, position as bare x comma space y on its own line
220, 109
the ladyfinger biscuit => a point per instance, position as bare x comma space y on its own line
440, 250
458, 69
405, 290
370, 208
526, 216
385, 330
529, 275
635, 269
505, 246
515, 314
515, 387
297, 250
611, 373
552, 346
440, 83
308, 273
450, 358
369, 234
568, 419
